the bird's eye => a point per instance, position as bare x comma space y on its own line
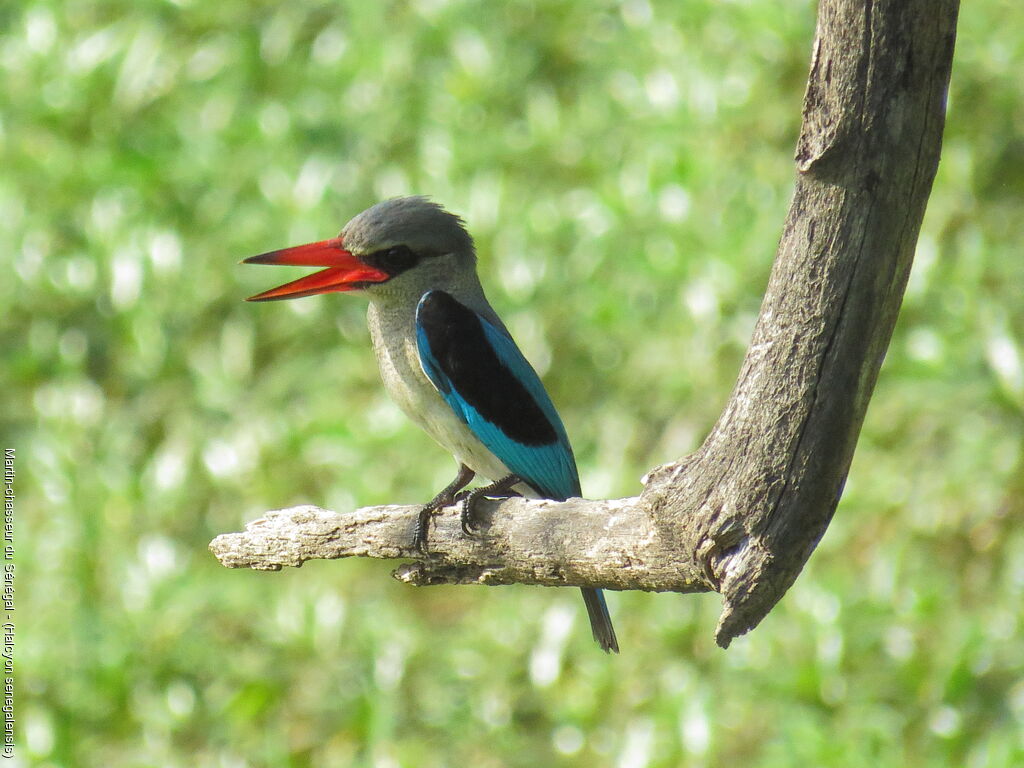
396, 259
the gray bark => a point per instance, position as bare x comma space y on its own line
613, 544
743, 513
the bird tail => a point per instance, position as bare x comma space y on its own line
600, 621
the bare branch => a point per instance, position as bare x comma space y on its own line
743, 513
581, 543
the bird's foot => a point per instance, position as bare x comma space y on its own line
500, 489
449, 495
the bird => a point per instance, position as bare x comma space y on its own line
446, 358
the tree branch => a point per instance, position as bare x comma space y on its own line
744, 512
611, 544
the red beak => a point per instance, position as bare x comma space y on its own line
344, 271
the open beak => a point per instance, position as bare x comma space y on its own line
344, 271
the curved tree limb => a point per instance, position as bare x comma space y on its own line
744, 512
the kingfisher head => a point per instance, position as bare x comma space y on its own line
399, 248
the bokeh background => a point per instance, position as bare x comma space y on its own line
625, 168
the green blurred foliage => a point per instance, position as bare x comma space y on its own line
625, 169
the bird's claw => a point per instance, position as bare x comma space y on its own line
469, 523
449, 495
470, 520
422, 529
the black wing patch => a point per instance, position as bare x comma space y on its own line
460, 349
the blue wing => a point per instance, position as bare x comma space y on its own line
484, 378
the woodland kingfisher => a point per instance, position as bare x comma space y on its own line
446, 358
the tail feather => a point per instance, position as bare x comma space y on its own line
600, 621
